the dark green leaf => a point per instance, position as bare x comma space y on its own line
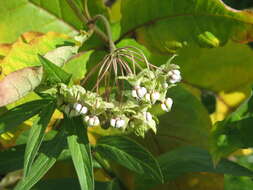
192, 159
53, 74
37, 133
16, 116
80, 151
45, 160
208, 99
129, 154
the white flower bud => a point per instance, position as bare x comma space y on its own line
165, 85
141, 92
86, 118
134, 94
120, 123
175, 76
91, 121
147, 116
147, 97
154, 97
164, 108
113, 122
84, 110
77, 107
96, 121
176, 72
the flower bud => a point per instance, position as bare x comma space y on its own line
167, 105
141, 92
84, 110
147, 116
154, 97
91, 121
96, 121
165, 85
77, 107
113, 122
134, 94
86, 118
175, 76
120, 123
147, 97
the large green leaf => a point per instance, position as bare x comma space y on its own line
45, 160
16, 116
36, 135
15, 15
171, 24
192, 159
130, 154
18, 84
80, 151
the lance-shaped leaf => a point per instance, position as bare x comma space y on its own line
80, 151
18, 84
36, 135
45, 160
129, 154
191, 159
170, 24
53, 74
16, 116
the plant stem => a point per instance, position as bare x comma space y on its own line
108, 30
86, 21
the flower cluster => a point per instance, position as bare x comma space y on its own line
147, 88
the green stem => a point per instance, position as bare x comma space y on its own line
108, 30
86, 21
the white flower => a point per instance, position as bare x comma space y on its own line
86, 118
113, 122
96, 121
120, 123
84, 110
175, 76
141, 92
154, 97
77, 107
167, 105
147, 116
91, 121
134, 94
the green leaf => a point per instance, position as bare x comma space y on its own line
16, 116
45, 160
53, 74
192, 159
39, 20
18, 84
80, 151
36, 135
168, 25
129, 154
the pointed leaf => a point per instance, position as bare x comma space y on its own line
52, 73
18, 84
44, 161
16, 116
80, 151
36, 135
129, 154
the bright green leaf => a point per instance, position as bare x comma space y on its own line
130, 154
80, 151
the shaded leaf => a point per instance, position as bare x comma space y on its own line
16, 116
80, 151
207, 23
36, 135
18, 84
129, 154
192, 159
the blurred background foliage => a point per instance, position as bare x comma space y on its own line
217, 74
